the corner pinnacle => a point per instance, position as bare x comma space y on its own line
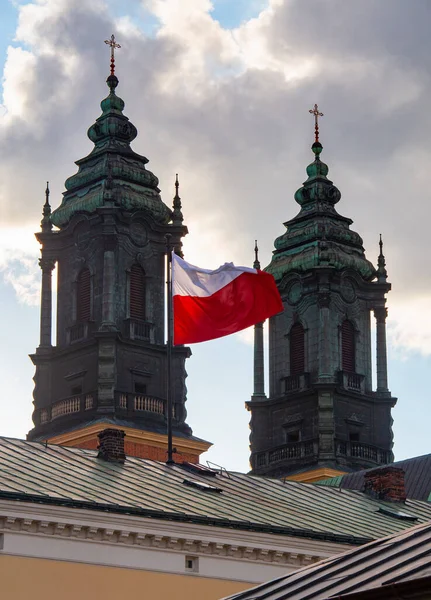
46, 224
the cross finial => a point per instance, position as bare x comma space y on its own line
315, 111
113, 44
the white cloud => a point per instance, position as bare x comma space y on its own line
228, 110
409, 326
18, 263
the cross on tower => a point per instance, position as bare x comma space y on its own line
113, 44
315, 111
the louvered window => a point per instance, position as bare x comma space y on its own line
137, 293
297, 350
348, 346
83, 304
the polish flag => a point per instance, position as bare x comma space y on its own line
210, 304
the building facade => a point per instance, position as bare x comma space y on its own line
103, 525
108, 240
323, 416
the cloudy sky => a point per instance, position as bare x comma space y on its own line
220, 92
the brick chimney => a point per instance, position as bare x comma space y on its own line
111, 445
386, 483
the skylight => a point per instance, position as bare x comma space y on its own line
200, 485
397, 514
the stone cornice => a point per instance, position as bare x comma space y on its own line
31, 519
78, 436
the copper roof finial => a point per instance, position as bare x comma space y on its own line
256, 264
46, 224
113, 44
315, 111
177, 215
47, 194
382, 274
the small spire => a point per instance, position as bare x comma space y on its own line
113, 45
256, 264
46, 224
177, 215
315, 111
382, 274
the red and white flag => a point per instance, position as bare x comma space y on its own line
210, 304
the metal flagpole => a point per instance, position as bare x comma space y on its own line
170, 460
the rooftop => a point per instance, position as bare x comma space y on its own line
35, 472
417, 477
379, 566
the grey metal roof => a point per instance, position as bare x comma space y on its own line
31, 471
417, 477
388, 561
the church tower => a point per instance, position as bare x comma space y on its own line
108, 365
322, 416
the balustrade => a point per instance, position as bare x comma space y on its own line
140, 330
68, 406
292, 451
78, 332
352, 381
296, 383
363, 452
150, 404
65, 407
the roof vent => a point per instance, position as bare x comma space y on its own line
111, 445
200, 485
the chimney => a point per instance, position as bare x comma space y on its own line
111, 445
386, 483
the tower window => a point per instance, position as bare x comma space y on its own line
348, 346
137, 293
293, 436
83, 304
140, 388
353, 436
297, 351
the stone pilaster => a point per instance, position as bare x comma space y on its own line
259, 366
380, 314
108, 290
47, 265
323, 301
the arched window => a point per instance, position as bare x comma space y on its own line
83, 296
137, 293
348, 346
297, 349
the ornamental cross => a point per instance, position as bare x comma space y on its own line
315, 111
113, 44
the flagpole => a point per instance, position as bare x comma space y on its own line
170, 460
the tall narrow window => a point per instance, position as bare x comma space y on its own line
348, 346
137, 293
297, 350
83, 300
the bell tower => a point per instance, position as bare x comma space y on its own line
323, 416
108, 241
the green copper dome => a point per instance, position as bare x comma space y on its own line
319, 236
112, 174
